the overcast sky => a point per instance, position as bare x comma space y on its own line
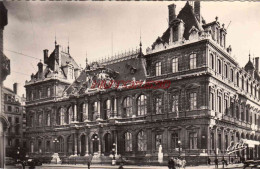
89, 26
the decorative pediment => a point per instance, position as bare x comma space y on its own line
174, 128
192, 127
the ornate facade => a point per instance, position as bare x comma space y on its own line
210, 102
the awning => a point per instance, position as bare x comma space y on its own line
251, 143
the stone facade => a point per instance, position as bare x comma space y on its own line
200, 114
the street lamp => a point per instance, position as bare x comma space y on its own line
55, 141
179, 144
114, 154
18, 152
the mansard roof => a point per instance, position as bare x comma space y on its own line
124, 68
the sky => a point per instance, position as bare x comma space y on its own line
99, 29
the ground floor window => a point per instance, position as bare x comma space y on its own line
142, 141
193, 140
174, 140
158, 141
128, 141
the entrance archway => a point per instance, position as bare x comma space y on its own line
108, 143
95, 142
83, 145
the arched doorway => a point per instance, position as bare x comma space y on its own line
83, 145
108, 143
95, 141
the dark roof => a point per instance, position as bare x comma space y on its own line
249, 66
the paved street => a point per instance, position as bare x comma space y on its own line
46, 166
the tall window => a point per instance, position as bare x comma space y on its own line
158, 69
237, 112
107, 109
69, 115
48, 119
40, 119
232, 75
232, 108
40, 93
158, 141
212, 141
193, 61
70, 73
226, 71
142, 141
94, 110
212, 63
212, 100
193, 138
219, 66
247, 86
127, 107
226, 106
141, 105
174, 65
251, 88
175, 103
243, 83
247, 115
48, 146
219, 104
174, 140
226, 142
48, 91
237, 79
242, 113
128, 141
219, 141
193, 101
39, 146
158, 105
60, 144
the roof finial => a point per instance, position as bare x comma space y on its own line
249, 56
86, 57
55, 39
68, 45
140, 41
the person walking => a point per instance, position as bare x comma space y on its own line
216, 163
88, 165
209, 161
183, 163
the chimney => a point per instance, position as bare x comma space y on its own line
45, 54
172, 14
40, 69
257, 64
197, 10
15, 88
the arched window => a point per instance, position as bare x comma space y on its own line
69, 115
212, 63
107, 109
40, 119
48, 119
175, 102
237, 79
127, 107
48, 91
243, 83
142, 141
60, 144
40, 93
232, 75
141, 105
158, 105
128, 141
158, 69
60, 117
81, 112
219, 66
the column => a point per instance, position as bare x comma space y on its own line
65, 145
86, 111
87, 151
79, 145
115, 135
115, 107
134, 105
75, 112
99, 146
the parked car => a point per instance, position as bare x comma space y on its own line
9, 161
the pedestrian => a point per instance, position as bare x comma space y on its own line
171, 164
209, 161
183, 163
216, 163
223, 162
88, 165
121, 166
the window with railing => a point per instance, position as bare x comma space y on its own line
193, 140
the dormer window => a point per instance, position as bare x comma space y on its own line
174, 65
70, 73
193, 60
158, 69
48, 91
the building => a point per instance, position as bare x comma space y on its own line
5, 71
15, 113
118, 104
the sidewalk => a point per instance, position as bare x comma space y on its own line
137, 167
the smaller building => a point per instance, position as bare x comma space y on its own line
15, 113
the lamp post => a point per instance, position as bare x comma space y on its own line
114, 153
18, 153
179, 144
